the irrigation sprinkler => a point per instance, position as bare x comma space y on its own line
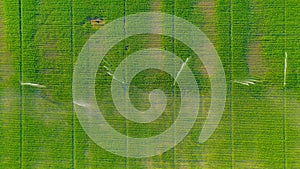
247, 82
33, 85
181, 68
285, 69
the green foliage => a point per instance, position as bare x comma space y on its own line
223, 32
53, 33
12, 30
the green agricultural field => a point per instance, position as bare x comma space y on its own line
257, 41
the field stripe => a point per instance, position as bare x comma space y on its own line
21, 80
73, 58
230, 86
125, 80
284, 93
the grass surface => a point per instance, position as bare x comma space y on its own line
260, 125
